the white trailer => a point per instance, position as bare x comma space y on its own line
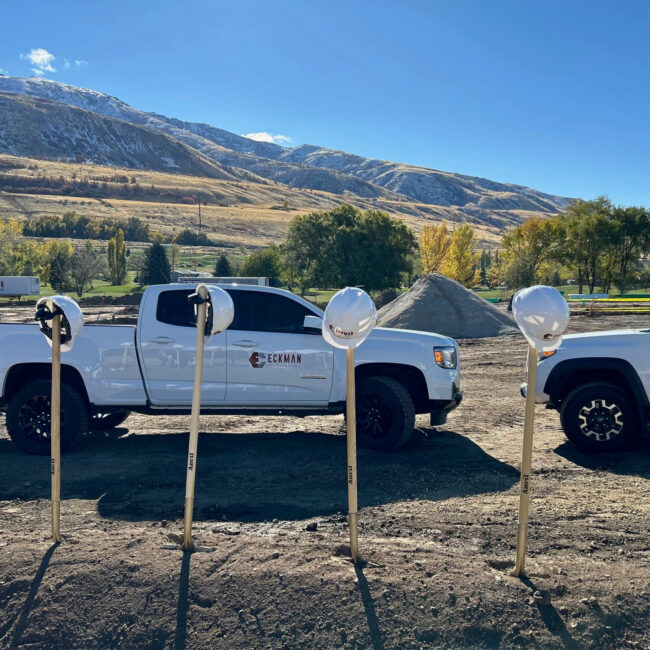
20, 285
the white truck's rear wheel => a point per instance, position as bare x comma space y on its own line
598, 416
28, 417
385, 413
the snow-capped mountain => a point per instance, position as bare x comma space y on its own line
40, 128
304, 166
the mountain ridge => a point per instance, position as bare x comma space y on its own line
308, 166
40, 128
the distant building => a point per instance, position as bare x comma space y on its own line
193, 277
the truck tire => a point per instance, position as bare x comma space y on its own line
598, 416
385, 414
104, 421
28, 417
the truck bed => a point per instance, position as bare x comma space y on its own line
104, 355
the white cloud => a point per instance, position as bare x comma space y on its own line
265, 136
3, 71
41, 59
80, 63
66, 64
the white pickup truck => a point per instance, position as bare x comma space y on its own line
272, 360
599, 382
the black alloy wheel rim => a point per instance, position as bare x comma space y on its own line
373, 416
34, 418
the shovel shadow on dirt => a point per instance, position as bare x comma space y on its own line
183, 605
633, 462
553, 621
28, 605
253, 476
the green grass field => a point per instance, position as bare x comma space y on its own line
505, 294
205, 263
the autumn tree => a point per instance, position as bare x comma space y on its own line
461, 261
495, 272
57, 256
434, 246
175, 252
526, 248
86, 266
116, 259
10, 231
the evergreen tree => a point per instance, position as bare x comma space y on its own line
222, 268
155, 267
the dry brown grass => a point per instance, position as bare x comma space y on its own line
248, 214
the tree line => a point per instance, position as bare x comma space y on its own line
66, 268
593, 242
76, 226
116, 186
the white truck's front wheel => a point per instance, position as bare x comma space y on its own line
598, 416
385, 413
29, 422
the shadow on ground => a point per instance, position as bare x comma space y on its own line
254, 476
634, 462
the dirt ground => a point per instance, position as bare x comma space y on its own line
437, 525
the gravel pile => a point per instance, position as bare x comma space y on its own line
438, 304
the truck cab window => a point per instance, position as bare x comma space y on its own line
174, 309
259, 311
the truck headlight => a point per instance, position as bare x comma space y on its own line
446, 357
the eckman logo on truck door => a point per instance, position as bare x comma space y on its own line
260, 359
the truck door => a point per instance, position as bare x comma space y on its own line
272, 359
168, 353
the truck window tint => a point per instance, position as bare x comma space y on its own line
255, 311
174, 309
243, 303
259, 311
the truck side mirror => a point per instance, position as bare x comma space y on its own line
312, 324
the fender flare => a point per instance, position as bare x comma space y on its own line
559, 381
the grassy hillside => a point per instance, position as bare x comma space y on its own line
238, 213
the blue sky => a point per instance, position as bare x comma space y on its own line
551, 94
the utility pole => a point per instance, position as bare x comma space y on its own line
200, 224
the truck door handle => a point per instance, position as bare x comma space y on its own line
246, 343
163, 340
